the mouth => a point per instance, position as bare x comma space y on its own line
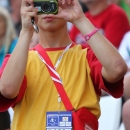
48, 18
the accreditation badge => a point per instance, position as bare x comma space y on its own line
61, 120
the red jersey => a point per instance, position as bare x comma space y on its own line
112, 23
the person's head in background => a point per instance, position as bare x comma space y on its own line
34, 40
96, 6
7, 30
15, 6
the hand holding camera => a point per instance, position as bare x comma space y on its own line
69, 10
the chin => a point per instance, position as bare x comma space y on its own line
53, 26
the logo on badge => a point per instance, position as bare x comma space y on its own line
65, 118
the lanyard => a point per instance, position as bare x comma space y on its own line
56, 65
52, 70
61, 56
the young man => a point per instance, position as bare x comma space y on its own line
25, 80
109, 18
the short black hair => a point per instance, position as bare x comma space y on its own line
4, 120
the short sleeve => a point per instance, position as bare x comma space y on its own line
114, 89
5, 103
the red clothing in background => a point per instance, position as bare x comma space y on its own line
112, 23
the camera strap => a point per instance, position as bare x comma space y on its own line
59, 86
34, 25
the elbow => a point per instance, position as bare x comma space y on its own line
7, 92
119, 71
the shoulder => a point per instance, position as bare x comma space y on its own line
116, 10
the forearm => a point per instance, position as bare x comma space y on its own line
114, 66
13, 73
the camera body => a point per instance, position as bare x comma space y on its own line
46, 6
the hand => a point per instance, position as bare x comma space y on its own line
70, 10
27, 12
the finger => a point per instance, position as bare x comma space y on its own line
23, 3
60, 2
27, 2
25, 10
32, 14
29, 11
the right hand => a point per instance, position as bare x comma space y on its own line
27, 12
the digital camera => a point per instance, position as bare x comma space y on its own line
46, 6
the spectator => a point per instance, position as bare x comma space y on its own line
15, 14
84, 70
124, 50
8, 37
105, 16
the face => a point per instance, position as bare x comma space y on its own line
48, 23
2, 26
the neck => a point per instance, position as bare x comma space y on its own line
58, 38
96, 8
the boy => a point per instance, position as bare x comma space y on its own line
25, 80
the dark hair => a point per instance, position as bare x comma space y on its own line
4, 120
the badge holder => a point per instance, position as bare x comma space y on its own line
34, 25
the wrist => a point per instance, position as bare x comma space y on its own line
25, 36
84, 25
26, 33
79, 21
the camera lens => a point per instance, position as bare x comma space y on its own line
46, 7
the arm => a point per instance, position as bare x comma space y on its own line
13, 73
113, 64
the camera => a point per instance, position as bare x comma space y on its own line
46, 6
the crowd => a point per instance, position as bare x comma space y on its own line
112, 20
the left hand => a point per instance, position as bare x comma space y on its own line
69, 10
